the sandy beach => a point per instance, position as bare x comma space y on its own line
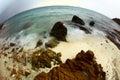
106, 53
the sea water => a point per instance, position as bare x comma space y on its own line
31, 25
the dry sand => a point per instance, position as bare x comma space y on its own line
106, 53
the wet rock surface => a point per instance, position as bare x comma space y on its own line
117, 20
59, 31
92, 23
84, 29
1, 26
82, 67
114, 35
78, 20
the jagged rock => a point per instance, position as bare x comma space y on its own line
78, 20
44, 59
59, 31
83, 67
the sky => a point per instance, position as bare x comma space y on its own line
9, 8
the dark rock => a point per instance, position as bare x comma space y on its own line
117, 20
76, 19
39, 43
84, 29
1, 26
59, 31
118, 32
12, 44
92, 23
114, 37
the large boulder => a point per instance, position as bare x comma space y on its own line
59, 31
82, 67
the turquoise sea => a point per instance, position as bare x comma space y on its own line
32, 24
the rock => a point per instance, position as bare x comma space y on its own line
44, 59
59, 31
12, 44
92, 23
52, 43
112, 37
1, 26
117, 20
84, 29
76, 19
83, 67
39, 43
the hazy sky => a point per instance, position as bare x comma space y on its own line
8, 8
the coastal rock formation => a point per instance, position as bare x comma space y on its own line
114, 36
82, 67
59, 31
76, 19
117, 20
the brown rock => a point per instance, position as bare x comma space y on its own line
39, 43
83, 67
44, 59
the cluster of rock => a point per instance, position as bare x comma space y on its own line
82, 67
59, 31
36, 59
115, 35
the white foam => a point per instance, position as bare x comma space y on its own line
74, 33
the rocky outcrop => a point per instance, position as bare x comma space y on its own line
114, 36
78, 20
117, 20
83, 67
59, 31
45, 59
